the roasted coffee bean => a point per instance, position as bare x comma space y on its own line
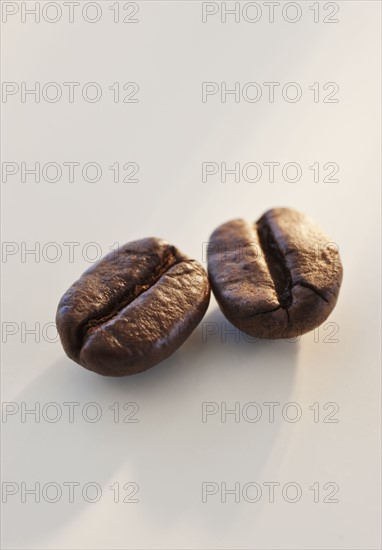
276, 278
133, 308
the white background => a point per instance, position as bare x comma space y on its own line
169, 133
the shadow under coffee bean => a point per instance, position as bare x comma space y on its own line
277, 278
133, 308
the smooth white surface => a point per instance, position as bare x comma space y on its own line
170, 452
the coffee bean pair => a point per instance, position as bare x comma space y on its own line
276, 278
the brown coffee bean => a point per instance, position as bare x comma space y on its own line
133, 308
276, 278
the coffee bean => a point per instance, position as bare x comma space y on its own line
276, 278
133, 308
